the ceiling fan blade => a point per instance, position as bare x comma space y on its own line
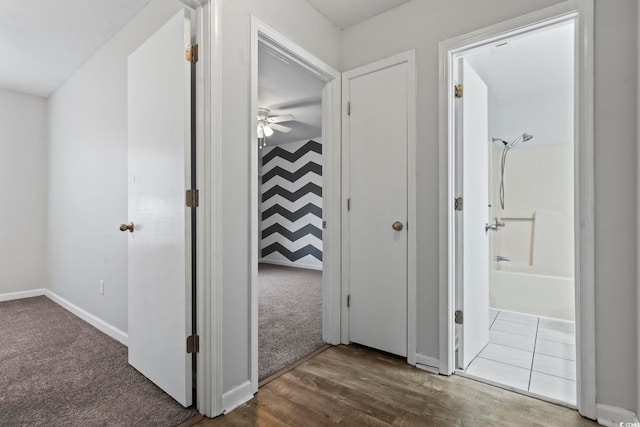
279, 128
280, 119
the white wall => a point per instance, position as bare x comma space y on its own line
615, 210
538, 176
88, 174
301, 23
23, 183
422, 25
638, 201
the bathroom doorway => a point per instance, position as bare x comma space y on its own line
476, 160
524, 87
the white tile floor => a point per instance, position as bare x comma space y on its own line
529, 353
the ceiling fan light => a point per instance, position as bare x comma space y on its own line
267, 131
261, 132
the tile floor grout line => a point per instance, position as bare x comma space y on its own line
477, 356
557, 357
553, 375
515, 333
494, 321
535, 341
509, 346
500, 361
558, 330
515, 321
558, 342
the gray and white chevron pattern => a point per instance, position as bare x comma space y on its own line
292, 204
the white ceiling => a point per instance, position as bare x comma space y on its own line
344, 13
536, 63
43, 42
287, 88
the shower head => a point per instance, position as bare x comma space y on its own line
521, 138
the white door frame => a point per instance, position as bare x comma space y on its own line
209, 165
262, 33
583, 13
410, 58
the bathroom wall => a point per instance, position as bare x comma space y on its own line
538, 212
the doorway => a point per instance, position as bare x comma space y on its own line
290, 171
498, 184
295, 198
517, 288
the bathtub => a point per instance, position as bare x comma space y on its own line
536, 294
536, 274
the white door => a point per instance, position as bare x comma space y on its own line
159, 173
473, 141
375, 131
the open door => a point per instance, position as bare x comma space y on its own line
473, 184
160, 278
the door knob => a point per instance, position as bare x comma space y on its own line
495, 225
397, 226
125, 227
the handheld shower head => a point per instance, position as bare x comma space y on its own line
521, 138
505, 151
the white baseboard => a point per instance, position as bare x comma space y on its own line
291, 264
23, 294
236, 397
94, 321
615, 417
428, 363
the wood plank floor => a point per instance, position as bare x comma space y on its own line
356, 386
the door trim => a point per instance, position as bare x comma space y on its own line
582, 11
410, 58
208, 214
262, 33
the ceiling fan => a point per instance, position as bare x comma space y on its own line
267, 124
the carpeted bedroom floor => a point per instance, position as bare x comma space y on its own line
57, 370
289, 316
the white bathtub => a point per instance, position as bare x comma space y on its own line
548, 296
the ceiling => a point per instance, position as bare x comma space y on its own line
535, 63
345, 13
43, 42
287, 88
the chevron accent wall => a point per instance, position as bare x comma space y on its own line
291, 206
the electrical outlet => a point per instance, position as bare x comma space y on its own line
101, 287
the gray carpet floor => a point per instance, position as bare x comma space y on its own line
289, 316
57, 370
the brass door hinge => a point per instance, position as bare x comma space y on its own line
458, 203
459, 318
192, 198
193, 344
459, 91
191, 53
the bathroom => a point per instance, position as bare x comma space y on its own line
530, 83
